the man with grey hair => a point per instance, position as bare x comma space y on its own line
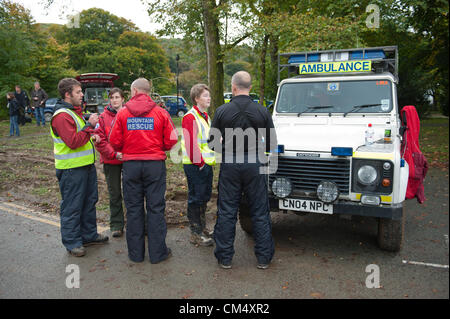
143, 132
38, 98
251, 130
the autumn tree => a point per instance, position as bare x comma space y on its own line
204, 22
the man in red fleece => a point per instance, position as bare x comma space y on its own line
143, 132
75, 169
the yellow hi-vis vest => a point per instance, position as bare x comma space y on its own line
66, 157
202, 140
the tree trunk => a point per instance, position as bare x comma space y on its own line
214, 54
272, 87
262, 79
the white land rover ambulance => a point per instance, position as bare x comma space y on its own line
323, 163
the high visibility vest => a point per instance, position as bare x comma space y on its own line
202, 140
65, 157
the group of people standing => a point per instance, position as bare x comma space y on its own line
19, 102
132, 139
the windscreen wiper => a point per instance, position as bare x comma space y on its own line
309, 108
357, 107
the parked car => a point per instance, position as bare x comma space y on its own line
255, 97
49, 108
174, 108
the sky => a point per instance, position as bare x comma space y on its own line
132, 10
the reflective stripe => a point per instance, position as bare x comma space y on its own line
74, 155
208, 155
202, 140
58, 140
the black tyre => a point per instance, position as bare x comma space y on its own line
48, 117
245, 219
180, 113
391, 233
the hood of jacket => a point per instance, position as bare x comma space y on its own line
140, 104
60, 103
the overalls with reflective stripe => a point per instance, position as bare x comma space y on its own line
65, 157
202, 140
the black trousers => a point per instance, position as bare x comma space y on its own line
79, 193
235, 179
144, 187
113, 175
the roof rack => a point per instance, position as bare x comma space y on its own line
383, 59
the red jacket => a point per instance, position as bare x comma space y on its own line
418, 165
105, 122
65, 127
190, 130
143, 130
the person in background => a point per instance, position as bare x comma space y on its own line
75, 169
13, 107
24, 102
143, 132
198, 161
112, 164
38, 98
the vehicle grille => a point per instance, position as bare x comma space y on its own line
306, 173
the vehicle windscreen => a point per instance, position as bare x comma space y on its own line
95, 96
370, 96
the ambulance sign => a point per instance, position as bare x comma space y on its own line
335, 67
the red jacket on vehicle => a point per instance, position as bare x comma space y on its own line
418, 165
143, 130
105, 122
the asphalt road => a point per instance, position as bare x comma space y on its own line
316, 257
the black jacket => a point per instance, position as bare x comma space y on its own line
241, 112
22, 99
13, 107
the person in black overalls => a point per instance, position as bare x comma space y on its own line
242, 129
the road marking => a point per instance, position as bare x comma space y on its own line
8, 207
29, 210
425, 264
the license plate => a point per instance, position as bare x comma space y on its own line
304, 205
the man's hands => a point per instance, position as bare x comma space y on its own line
93, 119
95, 138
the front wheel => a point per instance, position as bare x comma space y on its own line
180, 113
48, 117
391, 233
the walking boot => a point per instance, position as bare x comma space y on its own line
207, 232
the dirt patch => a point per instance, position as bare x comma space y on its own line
28, 178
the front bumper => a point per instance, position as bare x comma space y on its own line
394, 211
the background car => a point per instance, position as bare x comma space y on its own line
49, 108
255, 97
174, 108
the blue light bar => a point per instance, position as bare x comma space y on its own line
342, 151
368, 54
301, 58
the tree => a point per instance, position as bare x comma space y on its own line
17, 54
106, 43
200, 21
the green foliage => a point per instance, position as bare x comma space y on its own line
104, 42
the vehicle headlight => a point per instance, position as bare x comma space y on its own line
367, 175
282, 187
327, 192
